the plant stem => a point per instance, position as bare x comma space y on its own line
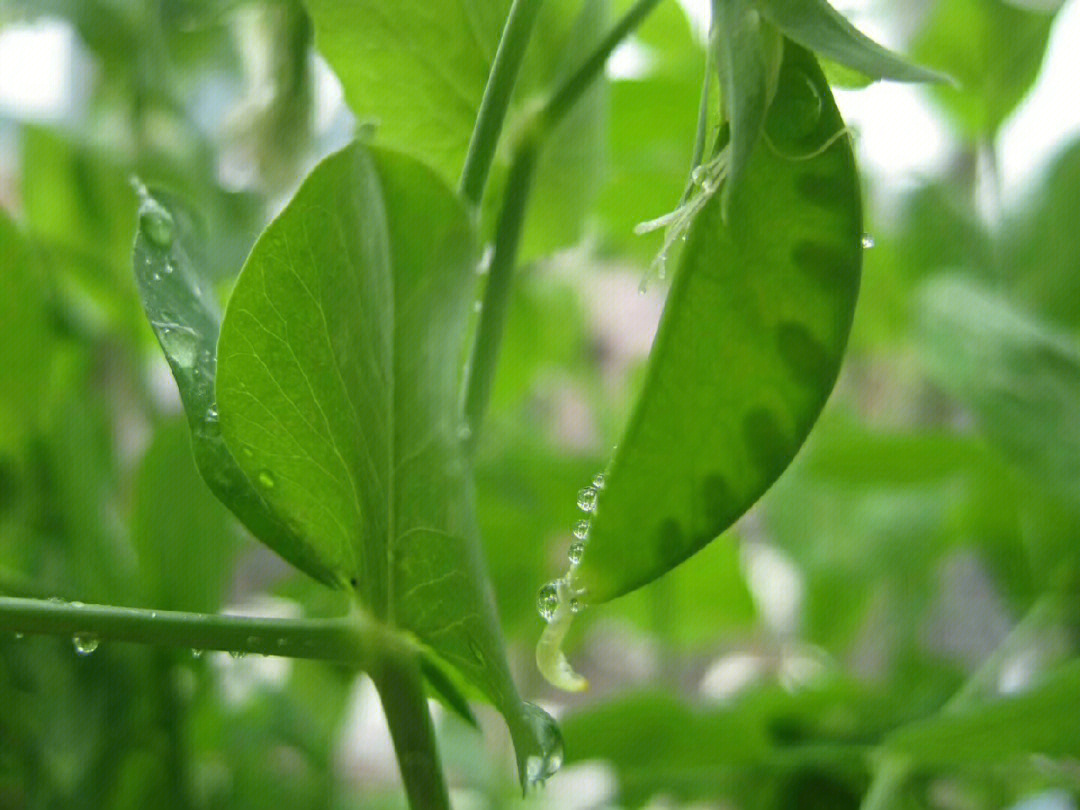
497, 293
572, 88
354, 640
489, 331
500, 86
401, 690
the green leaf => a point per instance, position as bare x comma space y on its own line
183, 537
417, 70
25, 338
1021, 378
748, 347
747, 61
992, 49
171, 277
339, 393
1041, 721
816, 25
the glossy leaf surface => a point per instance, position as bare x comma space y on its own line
186, 319
338, 385
748, 347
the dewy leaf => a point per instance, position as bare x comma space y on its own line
185, 318
339, 392
816, 25
748, 347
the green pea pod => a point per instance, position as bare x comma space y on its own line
748, 348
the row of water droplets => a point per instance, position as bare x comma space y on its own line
562, 591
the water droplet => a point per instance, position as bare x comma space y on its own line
586, 499
156, 223
180, 344
867, 241
581, 529
237, 653
20, 636
599, 480
574, 604
84, 643
547, 601
266, 478
549, 759
155, 276
168, 268
196, 653
576, 552
211, 414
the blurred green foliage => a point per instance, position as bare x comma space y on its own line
937, 501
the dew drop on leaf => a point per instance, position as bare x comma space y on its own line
84, 643
156, 223
547, 601
581, 529
196, 653
576, 552
547, 762
867, 241
180, 344
586, 499
599, 480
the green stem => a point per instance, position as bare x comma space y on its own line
353, 640
497, 293
496, 100
401, 690
489, 331
575, 85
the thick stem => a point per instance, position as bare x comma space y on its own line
401, 690
354, 640
497, 294
496, 100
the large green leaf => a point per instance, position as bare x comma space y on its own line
417, 71
994, 51
338, 387
748, 347
171, 277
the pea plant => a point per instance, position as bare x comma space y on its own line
335, 404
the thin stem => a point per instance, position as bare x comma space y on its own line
572, 88
401, 690
354, 640
489, 331
496, 295
702, 132
496, 100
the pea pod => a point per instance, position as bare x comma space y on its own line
748, 348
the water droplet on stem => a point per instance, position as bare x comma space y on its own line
84, 643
